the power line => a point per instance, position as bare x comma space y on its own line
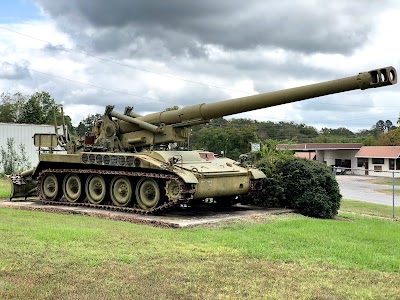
157, 100
138, 69
80, 82
122, 64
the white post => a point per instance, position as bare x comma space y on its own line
393, 194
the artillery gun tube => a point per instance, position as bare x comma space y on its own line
134, 115
135, 121
375, 78
136, 140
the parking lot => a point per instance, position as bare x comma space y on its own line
362, 188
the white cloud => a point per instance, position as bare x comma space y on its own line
78, 112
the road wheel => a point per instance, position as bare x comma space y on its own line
50, 186
172, 190
121, 191
147, 193
95, 189
72, 187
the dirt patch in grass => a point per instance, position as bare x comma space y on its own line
342, 218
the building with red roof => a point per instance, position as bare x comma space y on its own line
375, 159
362, 160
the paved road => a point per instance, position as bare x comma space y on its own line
361, 188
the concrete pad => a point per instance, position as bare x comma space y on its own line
200, 215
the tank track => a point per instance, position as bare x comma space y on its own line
185, 194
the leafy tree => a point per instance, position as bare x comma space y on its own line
241, 121
47, 105
175, 107
232, 140
388, 124
370, 140
286, 131
307, 132
38, 108
11, 107
391, 138
374, 132
31, 112
219, 122
341, 131
13, 161
335, 135
87, 124
380, 125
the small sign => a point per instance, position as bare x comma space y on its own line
255, 147
45, 140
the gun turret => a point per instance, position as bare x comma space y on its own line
134, 130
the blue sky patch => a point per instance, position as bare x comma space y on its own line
15, 11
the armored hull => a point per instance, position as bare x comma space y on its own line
141, 182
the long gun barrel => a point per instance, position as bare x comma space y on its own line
206, 111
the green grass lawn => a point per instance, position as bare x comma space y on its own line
389, 191
51, 256
386, 180
365, 208
5, 188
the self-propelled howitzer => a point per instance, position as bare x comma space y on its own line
118, 165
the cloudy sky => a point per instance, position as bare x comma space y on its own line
156, 54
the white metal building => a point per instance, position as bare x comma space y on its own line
23, 134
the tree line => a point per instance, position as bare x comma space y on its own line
38, 108
234, 136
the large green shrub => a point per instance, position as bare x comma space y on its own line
305, 185
272, 192
270, 161
310, 187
